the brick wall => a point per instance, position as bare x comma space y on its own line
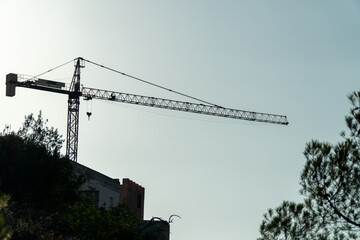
134, 195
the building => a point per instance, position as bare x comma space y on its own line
102, 189
107, 192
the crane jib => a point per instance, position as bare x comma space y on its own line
183, 106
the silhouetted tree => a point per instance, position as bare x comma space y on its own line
37, 132
291, 221
34, 176
85, 221
330, 183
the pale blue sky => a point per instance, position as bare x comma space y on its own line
296, 58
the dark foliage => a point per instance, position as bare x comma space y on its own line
35, 177
4, 229
85, 221
35, 131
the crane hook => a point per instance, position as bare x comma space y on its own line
89, 108
88, 114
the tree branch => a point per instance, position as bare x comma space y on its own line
337, 212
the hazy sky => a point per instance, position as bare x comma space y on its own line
296, 58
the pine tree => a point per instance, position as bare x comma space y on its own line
330, 183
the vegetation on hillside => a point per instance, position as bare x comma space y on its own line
42, 198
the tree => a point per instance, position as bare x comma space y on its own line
34, 176
288, 221
85, 221
36, 131
31, 168
38, 180
4, 229
330, 183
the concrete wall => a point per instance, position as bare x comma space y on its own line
103, 189
108, 192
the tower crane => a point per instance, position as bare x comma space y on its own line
75, 91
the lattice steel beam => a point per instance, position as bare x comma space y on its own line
213, 110
73, 113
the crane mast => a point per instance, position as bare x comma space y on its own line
75, 91
73, 113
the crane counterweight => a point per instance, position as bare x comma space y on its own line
11, 81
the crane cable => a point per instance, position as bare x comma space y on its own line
150, 83
130, 76
52, 69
